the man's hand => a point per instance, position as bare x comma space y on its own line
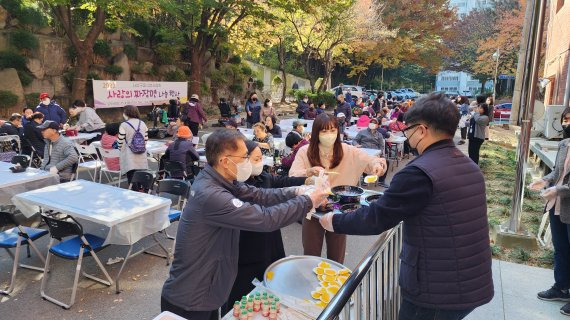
249, 113
318, 196
380, 168
53, 170
327, 221
537, 185
314, 171
549, 193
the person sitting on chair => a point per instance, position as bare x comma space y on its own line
182, 151
33, 135
60, 156
13, 127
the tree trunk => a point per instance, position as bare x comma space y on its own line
483, 82
84, 58
196, 75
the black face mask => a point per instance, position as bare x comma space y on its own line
566, 131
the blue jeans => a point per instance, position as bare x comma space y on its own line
410, 311
561, 241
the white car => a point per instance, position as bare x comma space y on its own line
355, 91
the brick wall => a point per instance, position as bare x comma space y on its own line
557, 46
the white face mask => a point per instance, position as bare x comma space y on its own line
305, 100
256, 169
46, 101
373, 126
125, 117
243, 170
327, 139
270, 104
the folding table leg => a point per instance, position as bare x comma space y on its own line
117, 286
165, 256
41, 256
14, 268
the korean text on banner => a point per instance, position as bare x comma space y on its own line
115, 94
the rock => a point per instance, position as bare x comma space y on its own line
144, 77
9, 81
115, 35
3, 17
145, 54
122, 61
13, 22
36, 68
59, 86
4, 41
45, 31
52, 53
40, 85
147, 67
164, 69
116, 47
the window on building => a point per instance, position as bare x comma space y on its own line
559, 5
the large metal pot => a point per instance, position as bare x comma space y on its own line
347, 194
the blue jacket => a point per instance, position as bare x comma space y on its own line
255, 109
53, 112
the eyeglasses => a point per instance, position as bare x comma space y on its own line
410, 127
246, 157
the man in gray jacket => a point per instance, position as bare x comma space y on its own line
60, 156
219, 206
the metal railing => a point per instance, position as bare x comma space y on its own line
372, 290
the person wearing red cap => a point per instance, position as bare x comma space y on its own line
51, 110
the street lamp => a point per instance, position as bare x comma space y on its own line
496, 55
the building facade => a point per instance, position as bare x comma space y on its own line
454, 82
556, 56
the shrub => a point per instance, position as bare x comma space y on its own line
12, 59
25, 78
71, 54
327, 97
519, 254
113, 70
496, 250
7, 99
259, 84
236, 88
137, 68
26, 14
234, 60
130, 51
102, 49
32, 99
166, 53
176, 75
92, 75
24, 40
246, 70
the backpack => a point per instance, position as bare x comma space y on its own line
137, 145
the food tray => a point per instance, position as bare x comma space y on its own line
294, 275
363, 202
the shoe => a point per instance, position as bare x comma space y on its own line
554, 294
461, 142
565, 310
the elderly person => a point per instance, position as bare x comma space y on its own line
445, 272
344, 108
33, 135
372, 137
60, 156
182, 151
264, 139
51, 110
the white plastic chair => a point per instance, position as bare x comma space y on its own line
106, 154
205, 138
88, 152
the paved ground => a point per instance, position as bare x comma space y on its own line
516, 286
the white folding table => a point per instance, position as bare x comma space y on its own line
12, 184
120, 216
83, 136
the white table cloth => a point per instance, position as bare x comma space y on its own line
153, 148
120, 216
12, 184
82, 136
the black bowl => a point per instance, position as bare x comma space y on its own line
347, 194
326, 208
348, 208
372, 198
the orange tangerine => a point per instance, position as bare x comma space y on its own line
326, 298
330, 272
332, 289
321, 304
270, 275
318, 270
324, 284
324, 265
342, 279
329, 278
344, 272
315, 295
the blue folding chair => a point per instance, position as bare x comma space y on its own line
174, 188
15, 238
72, 249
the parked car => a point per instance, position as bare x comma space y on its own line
503, 111
394, 93
355, 91
412, 94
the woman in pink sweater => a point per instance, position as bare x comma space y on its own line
109, 141
326, 152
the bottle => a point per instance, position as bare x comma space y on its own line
250, 303
278, 304
243, 315
265, 309
271, 298
236, 309
250, 313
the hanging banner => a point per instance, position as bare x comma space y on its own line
116, 94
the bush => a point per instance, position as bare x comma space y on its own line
519, 254
113, 70
92, 75
166, 53
496, 250
246, 70
259, 84
176, 75
236, 88
7, 99
12, 59
130, 51
25, 78
32, 99
327, 97
26, 14
137, 68
102, 49
234, 60
71, 54
24, 40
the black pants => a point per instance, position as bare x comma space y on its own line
561, 241
194, 127
463, 133
410, 311
242, 285
190, 315
474, 148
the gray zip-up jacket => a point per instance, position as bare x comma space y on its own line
62, 155
207, 243
89, 120
564, 189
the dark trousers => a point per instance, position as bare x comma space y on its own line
463, 133
410, 311
561, 241
242, 284
194, 127
474, 148
190, 315
313, 235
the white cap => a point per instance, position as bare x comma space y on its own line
340, 115
195, 96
